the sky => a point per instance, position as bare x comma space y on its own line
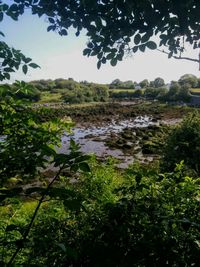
61, 57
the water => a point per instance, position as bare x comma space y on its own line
91, 139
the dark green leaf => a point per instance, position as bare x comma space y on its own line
110, 56
142, 48
73, 145
74, 167
103, 60
33, 65
99, 56
5, 7
51, 20
12, 227
2, 34
73, 205
77, 33
99, 64
62, 246
83, 166
61, 159
113, 62
8, 70
151, 45
82, 158
1, 16
120, 57
86, 52
145, 38
51, 28
90, 45
25, 69
14, 8
63, 32
7, 76
137, 39
170, 54
135, 49
27, 60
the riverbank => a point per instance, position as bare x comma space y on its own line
127, 131
97, 114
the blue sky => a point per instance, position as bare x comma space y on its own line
61, 57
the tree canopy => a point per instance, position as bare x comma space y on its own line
114, 27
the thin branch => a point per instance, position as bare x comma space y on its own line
26, 233
186, 58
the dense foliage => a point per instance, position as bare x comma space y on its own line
20, 90
183, 144
139, 218
26, 144
116, 84
188, 80
86, 93
123, 94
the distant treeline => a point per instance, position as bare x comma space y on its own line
70, 91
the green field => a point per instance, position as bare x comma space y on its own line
195, 90
121, 90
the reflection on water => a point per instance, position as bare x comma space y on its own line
91, 139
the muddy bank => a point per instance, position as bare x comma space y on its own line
99, 114
126, 140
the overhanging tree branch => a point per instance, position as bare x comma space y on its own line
180, 57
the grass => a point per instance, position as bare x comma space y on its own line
195, 90
121, 90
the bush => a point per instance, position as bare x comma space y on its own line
116, 84
43, 85
91, 93
183, 143
151, 92
141, 218
20, 90
123, 94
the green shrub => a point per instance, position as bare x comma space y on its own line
124, 94
20, 90
139, 218
183, 143
90, 93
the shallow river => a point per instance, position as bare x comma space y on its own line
91, 139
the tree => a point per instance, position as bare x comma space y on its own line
174, 89
189, 79
144, 83
114, 28
115, 84
159, 82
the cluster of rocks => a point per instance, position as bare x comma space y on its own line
148, 140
